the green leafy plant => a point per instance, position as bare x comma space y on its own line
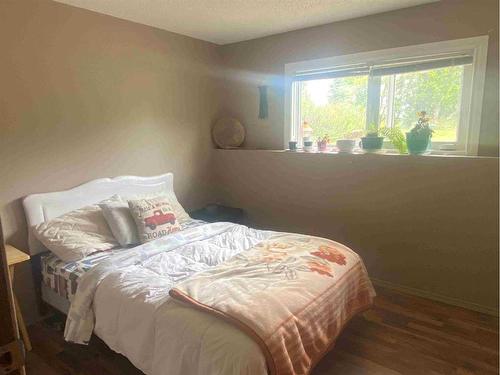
422, 129
372, 131
396, 137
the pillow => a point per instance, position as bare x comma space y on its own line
121, 222
154, 217
77, 234
180, 213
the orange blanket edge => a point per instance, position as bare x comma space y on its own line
180, 296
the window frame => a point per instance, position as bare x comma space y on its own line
472, 86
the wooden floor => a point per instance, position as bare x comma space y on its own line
401, 334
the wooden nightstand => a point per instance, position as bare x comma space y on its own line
15, 256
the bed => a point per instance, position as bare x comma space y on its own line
202, 300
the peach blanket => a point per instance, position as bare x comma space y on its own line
292, 294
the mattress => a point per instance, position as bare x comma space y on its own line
62, 277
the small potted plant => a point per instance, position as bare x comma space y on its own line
323, 143
418, 139
372, 141
396, 137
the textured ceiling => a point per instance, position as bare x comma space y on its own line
228, 21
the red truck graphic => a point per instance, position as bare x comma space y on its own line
159, 218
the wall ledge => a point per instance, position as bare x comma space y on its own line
355, 154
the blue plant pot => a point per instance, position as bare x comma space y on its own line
417, 145
372, 143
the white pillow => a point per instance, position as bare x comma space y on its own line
180, 213
77, 234
121, 222
154, 217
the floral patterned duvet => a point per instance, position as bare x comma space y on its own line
291, 293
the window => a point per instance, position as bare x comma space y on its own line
335, 107
438, 91
344, 96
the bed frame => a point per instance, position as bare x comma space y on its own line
42, 207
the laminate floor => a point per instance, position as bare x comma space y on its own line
401, 334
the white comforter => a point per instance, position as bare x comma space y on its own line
125, 301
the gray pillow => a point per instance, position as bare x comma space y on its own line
121, 223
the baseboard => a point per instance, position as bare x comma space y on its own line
435, 297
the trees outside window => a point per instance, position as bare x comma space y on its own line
337, 107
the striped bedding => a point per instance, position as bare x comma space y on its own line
62, 277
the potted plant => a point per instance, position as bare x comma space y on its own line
396, 137
323, 143
372, 141
418, 139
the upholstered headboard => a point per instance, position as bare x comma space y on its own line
45, 206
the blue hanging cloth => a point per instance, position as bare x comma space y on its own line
263, 107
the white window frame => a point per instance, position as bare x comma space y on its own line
472, 94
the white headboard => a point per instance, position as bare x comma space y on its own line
45, 206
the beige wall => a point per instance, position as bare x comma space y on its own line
427, 223
84, 95
261, 61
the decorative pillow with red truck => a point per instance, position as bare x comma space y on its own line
154, 217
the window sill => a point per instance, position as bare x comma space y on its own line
359, 153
